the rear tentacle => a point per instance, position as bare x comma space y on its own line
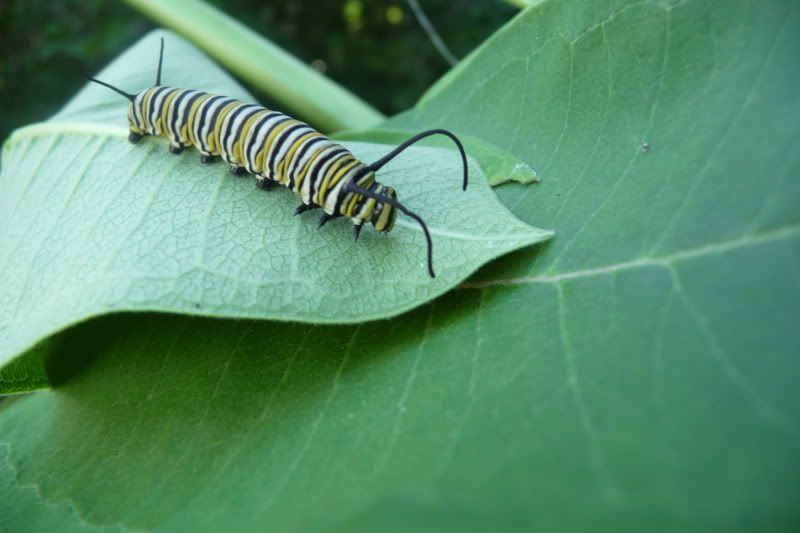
160, 61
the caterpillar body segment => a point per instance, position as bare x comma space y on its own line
268, 144
276, 149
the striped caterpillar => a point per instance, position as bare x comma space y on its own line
276, 149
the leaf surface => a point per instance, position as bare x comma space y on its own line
638, 373
92, 224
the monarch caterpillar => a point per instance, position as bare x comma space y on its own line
276, 149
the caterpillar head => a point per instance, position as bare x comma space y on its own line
386, 209
385, 212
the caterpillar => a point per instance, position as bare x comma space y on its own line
276, 149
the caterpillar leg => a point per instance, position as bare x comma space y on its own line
236, 170
175, 148
302, 208
265, 184
325, 218
134, 138
357, 230
207, 159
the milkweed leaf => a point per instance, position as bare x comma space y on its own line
637, 373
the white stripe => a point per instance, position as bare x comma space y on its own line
209, 123
321, 175
269, 155
333, 195
222, 142
243, 117
155, 125
248, 136
261, 135
287, 144
137, 110
182, 115
294, 165
318, 147
319, 153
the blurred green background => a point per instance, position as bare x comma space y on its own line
375, 48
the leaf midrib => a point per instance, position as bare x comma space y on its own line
668, 260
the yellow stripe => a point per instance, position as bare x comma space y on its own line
152, 108
132, 120
214, 142
369, 207
306, 167
268, 143
238, 144
273, 134
146, 108
335, 181
336, 176
193, 115
383, 219
351, 205
322, 181
283, 165
166, 111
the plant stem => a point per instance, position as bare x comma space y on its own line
253, 58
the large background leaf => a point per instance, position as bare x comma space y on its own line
638, 373
91, 223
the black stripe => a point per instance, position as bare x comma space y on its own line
189, 104
335, 153
299, 157
278, 122
213, 119
254, 138
156, 111
227, 131
174, 108
278, 144
378, 189
343, 190
138, 112
200, 121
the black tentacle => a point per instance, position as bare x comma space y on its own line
129, 96
160, 60
353, 188
394, 153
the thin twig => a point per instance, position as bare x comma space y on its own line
432, 34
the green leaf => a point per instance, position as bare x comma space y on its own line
638, 373
92, 224
498, 165
301, 89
